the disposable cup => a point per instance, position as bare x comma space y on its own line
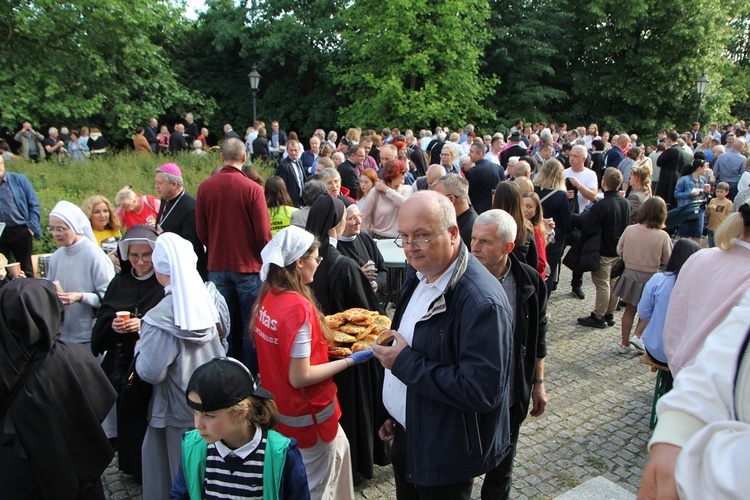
123, 315
14, 270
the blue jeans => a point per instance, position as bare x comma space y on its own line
240, 291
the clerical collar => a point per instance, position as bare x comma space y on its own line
501, 279
347, 238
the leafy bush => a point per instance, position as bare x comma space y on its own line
76, 181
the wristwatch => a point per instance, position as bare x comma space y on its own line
539, 380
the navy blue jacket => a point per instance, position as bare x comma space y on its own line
456, 372
483, 179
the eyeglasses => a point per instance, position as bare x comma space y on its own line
418, 244
57, 230
317, 259
353, 218
145, 257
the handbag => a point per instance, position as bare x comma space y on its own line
132, 421
617, 269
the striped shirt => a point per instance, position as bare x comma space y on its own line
235, 473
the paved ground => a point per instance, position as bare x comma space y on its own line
596, 423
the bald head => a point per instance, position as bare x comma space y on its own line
739, 145
434, 172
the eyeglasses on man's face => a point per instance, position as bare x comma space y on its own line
419, 243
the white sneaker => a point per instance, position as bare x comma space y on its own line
622, 349
637, 343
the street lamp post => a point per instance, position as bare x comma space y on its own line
254, 77
700, 86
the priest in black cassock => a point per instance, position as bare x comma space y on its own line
362, 249
339, 284
177, 211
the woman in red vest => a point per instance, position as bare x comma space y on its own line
292, 342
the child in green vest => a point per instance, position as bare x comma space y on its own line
233, 452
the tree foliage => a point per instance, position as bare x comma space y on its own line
629, 64
87, 61
413, 63
526, 51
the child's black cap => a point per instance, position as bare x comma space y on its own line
222, 383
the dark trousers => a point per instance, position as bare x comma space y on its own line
497, 482
577, 280
410, 491
554, 256
18, 241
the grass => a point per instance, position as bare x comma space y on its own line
596, 462
76, 181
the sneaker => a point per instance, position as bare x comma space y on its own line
592, 321
610, 319
622, 349
578, 292
637, 343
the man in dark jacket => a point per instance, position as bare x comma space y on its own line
492, 244
517, 149
446, 382
483, 177
177, 211
610, 217
348, 170
290, 169
177, 141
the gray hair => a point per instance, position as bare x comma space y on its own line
455, 185
329, 173
464, 160
233, 150
469, 128
506, 225
441, 136
581, 149
521, 168
312, 190
52, 130
171, 177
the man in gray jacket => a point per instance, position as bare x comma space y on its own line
31, 143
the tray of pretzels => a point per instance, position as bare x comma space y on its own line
355, 330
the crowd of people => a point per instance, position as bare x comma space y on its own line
207, 312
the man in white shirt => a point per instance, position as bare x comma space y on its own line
446, 382
582, 178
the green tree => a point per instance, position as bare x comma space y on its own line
412, 63
633, 63
92, 62
527, 37
291, 42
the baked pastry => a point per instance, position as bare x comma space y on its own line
343, 338
334, 321
361, 345
353, 329
339, 351
385, 337
358, 316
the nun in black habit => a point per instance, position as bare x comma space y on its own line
339, 284
137, 291
53, 398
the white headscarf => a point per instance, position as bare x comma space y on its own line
74, 217
288, 245
192, 305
